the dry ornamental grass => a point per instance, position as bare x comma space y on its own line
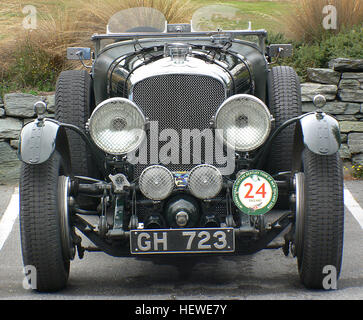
306, 23
35, 58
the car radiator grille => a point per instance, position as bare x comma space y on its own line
178, 102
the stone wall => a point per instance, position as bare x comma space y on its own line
341, 84
16, 110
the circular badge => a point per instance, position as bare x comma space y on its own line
255, 192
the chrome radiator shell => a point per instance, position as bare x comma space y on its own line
180, 95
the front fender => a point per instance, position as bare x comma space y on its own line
321, 133
39, 139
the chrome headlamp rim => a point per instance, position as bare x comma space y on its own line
264, 108
121, 100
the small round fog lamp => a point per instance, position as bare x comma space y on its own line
156, 183
205, 182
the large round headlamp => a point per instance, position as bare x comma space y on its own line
117, 126
243, 122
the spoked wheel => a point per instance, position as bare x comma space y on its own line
319, 224
45, 226
67, 230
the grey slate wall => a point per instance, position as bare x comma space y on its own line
16, 110
342, 85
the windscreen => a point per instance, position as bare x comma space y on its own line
140, 19
205, 19
219, 17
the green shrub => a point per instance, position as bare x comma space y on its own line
277, 38
346, 44
355, 171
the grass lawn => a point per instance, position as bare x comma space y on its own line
267, 15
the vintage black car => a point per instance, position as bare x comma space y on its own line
179, 140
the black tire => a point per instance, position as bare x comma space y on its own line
74, 104
323, 218
284, 96
40, 226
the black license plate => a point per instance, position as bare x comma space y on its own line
182, 241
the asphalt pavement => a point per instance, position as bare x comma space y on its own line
267, 275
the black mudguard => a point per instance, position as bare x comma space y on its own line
321, 134
39, 139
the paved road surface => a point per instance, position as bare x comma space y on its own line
265, 275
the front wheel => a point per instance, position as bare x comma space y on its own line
319, 224
45, 229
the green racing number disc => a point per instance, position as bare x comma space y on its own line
255, 192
